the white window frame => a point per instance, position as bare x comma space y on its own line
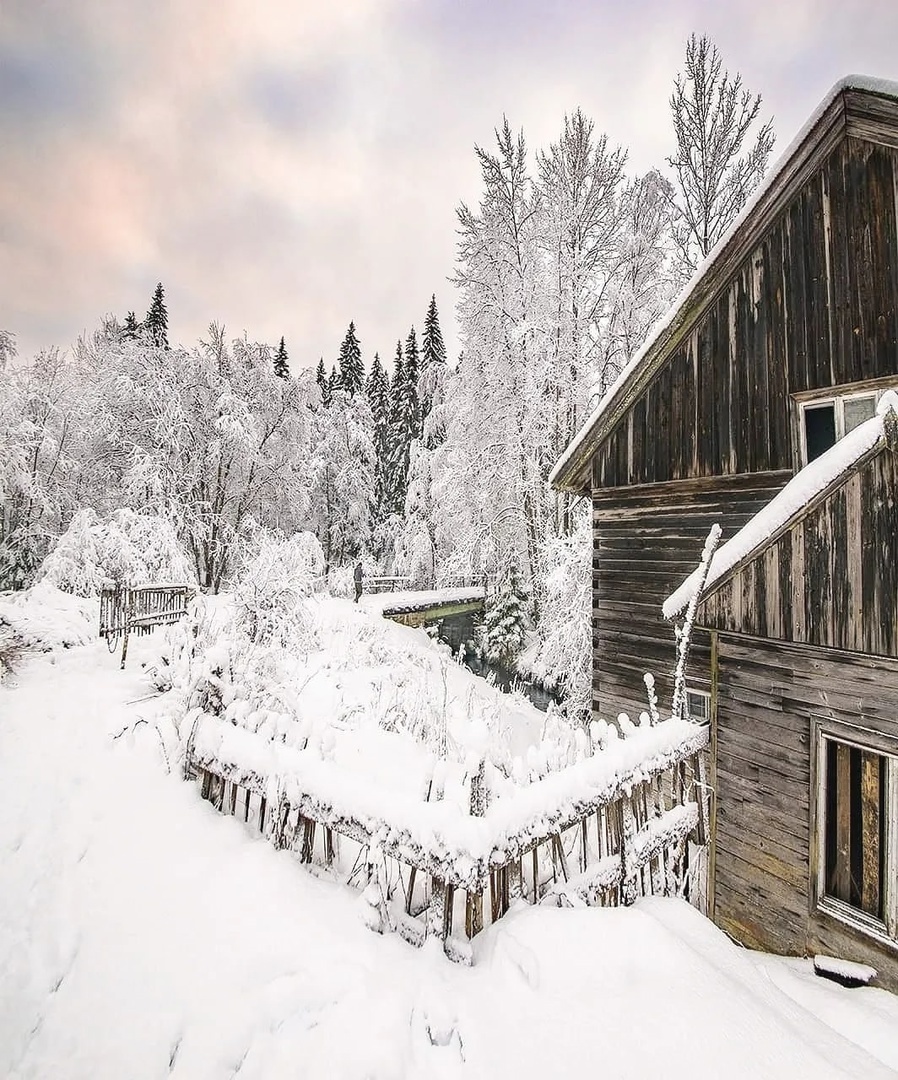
838, 403
884, 930
693, 692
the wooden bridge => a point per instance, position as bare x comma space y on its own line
425, 607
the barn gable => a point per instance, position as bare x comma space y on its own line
801, 294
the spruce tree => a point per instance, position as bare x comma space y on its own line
505, 621
433, 368
412, 371
131, 329
281, 367
323, 384
378, 392
333, 383
399, 436
352, 370
156, 322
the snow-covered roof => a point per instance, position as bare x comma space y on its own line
568, 465
805, 488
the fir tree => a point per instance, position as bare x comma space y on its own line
378, 391
505, 622
412, 371
323, 384
281, 367
334, 383
433, 371
156, 322
352, 370
399, 436
131, 329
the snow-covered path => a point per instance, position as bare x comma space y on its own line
143, 935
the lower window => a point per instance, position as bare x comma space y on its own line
859, 832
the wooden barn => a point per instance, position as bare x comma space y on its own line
755, 405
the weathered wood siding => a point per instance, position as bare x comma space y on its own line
831, 579
767, 696
814, 305
645, 541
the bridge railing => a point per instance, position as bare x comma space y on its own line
385, 583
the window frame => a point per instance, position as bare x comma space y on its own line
826, 730
838, 403
705, 695
831, 395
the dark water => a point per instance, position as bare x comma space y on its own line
459, 632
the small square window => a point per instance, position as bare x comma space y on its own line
698, 706
855, 410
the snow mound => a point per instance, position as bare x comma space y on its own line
44, 618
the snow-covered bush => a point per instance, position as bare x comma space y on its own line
43, 617
270, 588
125, 548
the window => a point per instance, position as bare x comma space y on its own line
824, 422
858, 833
698, 706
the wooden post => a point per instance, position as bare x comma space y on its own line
514, 883
627, 834
328, 846
534, 856
436, 909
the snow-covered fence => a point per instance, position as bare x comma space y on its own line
139, 609
604, 830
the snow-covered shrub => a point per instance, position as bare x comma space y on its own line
340, 582
43, 617
125, 548
271, 586
559, 656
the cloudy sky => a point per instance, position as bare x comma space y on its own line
284, 166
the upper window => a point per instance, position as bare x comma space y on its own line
825, 421
858, 805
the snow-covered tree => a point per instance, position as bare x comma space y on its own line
505, 621
281, 366
323, 382
412, 372
713, 115
377, 390
155, 325
400, 435
432, 378
342, 475
352, 370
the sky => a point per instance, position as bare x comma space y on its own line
286, 166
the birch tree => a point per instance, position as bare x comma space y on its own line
713, 116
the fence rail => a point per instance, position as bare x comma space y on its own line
605, 844
140, 609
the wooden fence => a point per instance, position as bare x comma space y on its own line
139, 609
608, 847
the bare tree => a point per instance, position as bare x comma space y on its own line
712, 114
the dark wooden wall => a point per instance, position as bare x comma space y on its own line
767, 697
832, 579
645, 541
814, 305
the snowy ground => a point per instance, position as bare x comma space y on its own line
143, 935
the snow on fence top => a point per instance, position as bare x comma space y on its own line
399, 602
811, 482
441, 837
880, 87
